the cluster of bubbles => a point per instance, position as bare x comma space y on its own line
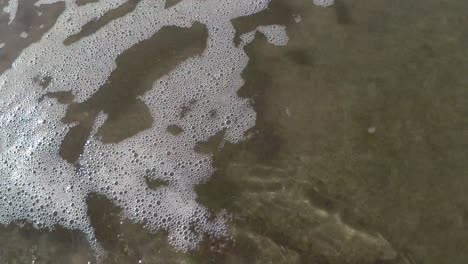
324, 3
38, 186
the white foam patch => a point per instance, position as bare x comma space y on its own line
297, 18
11, 9
38, 186
324, 3
275, 34
2, 45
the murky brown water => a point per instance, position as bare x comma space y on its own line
358, 154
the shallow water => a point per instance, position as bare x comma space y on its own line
357, 156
